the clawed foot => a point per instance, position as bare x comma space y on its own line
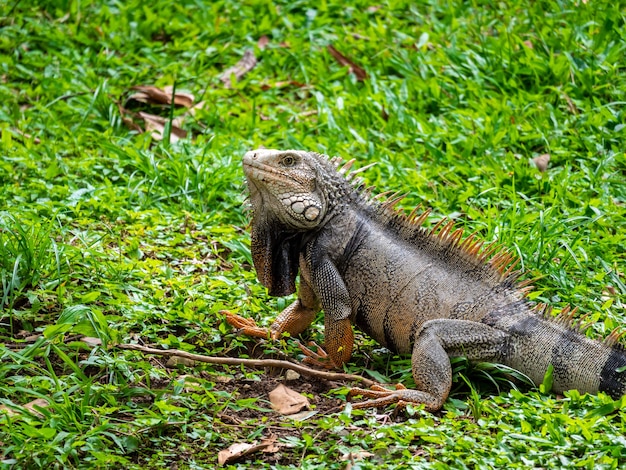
382, 396
247, 325
318, 358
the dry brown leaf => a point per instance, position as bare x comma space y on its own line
263, 42
541, 162
247, 63
241, 449
156, 124
358, 72
181, 98
234, 452
287, 401
303, 415
152, 95
197, 107
30, 406
93, 342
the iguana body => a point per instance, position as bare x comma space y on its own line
425, 292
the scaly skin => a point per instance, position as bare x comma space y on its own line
427, 293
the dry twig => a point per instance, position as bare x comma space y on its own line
252, 363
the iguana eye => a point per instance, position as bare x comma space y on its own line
288, 161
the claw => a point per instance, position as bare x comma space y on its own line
247, 325
382, 396
317, 358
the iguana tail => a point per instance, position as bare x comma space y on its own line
578, 362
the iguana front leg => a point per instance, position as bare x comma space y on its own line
430, 360
293, 320
335, 300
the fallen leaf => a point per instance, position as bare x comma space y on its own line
241, 449
271, 446
156, 124
181, 98
541, 162
91, 341
247, 63
223, 379
358, 72
30, 406
303, 415
287, 401
152, 95
529, 44
263, 42
234, 452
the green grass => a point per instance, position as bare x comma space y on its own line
107, 234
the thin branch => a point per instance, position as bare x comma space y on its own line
252, 363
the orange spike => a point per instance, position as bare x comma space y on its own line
489, 249
581, 325
513, 276
336, 161
614, 337
393, 200
511, 268
455, 237
525, 290
362, 169
413, 214
499, 260
525, 282
465, 244
437, 225
382, 195
443, 233
475, 248
346, 166
424, 215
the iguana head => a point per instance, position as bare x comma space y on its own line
287, 200
283, 183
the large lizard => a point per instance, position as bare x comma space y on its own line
431, 293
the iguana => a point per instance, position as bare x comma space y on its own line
432, 293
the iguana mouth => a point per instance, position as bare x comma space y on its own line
261, 172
